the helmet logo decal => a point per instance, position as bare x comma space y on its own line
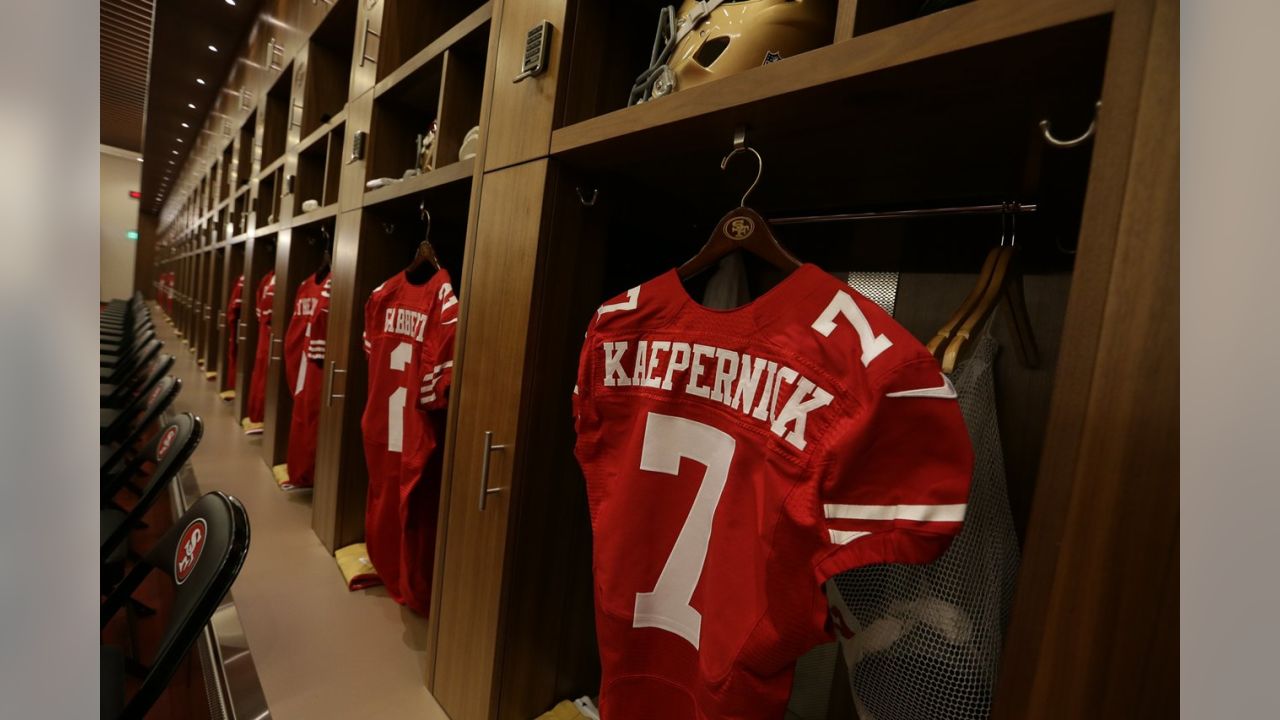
772, 56
738, 228
190, 546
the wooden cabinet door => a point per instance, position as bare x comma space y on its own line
521, 113
337, 507
497, 297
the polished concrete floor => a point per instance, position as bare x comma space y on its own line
321, 651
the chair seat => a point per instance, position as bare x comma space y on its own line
112, 673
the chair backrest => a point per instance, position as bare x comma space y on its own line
169, 450
155, 402
201, 555
141, 357
140, 379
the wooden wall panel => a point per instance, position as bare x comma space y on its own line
1100, 562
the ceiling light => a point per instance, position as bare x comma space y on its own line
179, 139
231, 2
185, 125
200, 81
175, 152
213, 49
191, 105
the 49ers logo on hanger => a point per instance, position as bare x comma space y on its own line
739, 228
190, 547
166, 442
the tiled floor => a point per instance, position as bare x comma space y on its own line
321, 651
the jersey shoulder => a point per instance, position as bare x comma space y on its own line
847, 336
648, 304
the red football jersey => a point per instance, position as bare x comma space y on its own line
233, 331
737, 459
408, 338
304, 341
265, 298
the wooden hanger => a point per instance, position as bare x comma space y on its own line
984, 279
741, 229
425, 256
1005, 284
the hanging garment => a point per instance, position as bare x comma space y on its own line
233, 330
408, 340
264, 300
304, 346
737, 459
923, 641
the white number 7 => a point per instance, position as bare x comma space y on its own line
843, 304
667, 439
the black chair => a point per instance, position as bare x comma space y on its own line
168, 451
201, 555
116, 422
155, 402
119, 345
114, 375
139, 382
125, 354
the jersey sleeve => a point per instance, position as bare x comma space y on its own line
437, 350
894, 481
582, 408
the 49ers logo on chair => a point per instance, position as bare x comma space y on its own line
166, 442
190, 546
739, 227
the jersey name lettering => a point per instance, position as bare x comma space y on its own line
403, 321
752, 386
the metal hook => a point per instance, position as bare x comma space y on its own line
1073, 142
740, 145
595, 193
388, 228
425, 215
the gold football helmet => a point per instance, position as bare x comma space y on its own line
708, 39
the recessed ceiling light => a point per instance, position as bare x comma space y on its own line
213, 48
175, 152
200, 81
179, 139
185, 125
191, 105
231, 2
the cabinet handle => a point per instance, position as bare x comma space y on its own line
489, 447
364, 43
328, 383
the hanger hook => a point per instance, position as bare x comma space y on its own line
1072, 142
425, 214
759, 168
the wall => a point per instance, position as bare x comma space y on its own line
119, 172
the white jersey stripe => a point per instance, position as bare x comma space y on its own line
919, 513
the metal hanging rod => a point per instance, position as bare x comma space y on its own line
990, 209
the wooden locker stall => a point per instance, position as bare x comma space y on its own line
1056, 116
